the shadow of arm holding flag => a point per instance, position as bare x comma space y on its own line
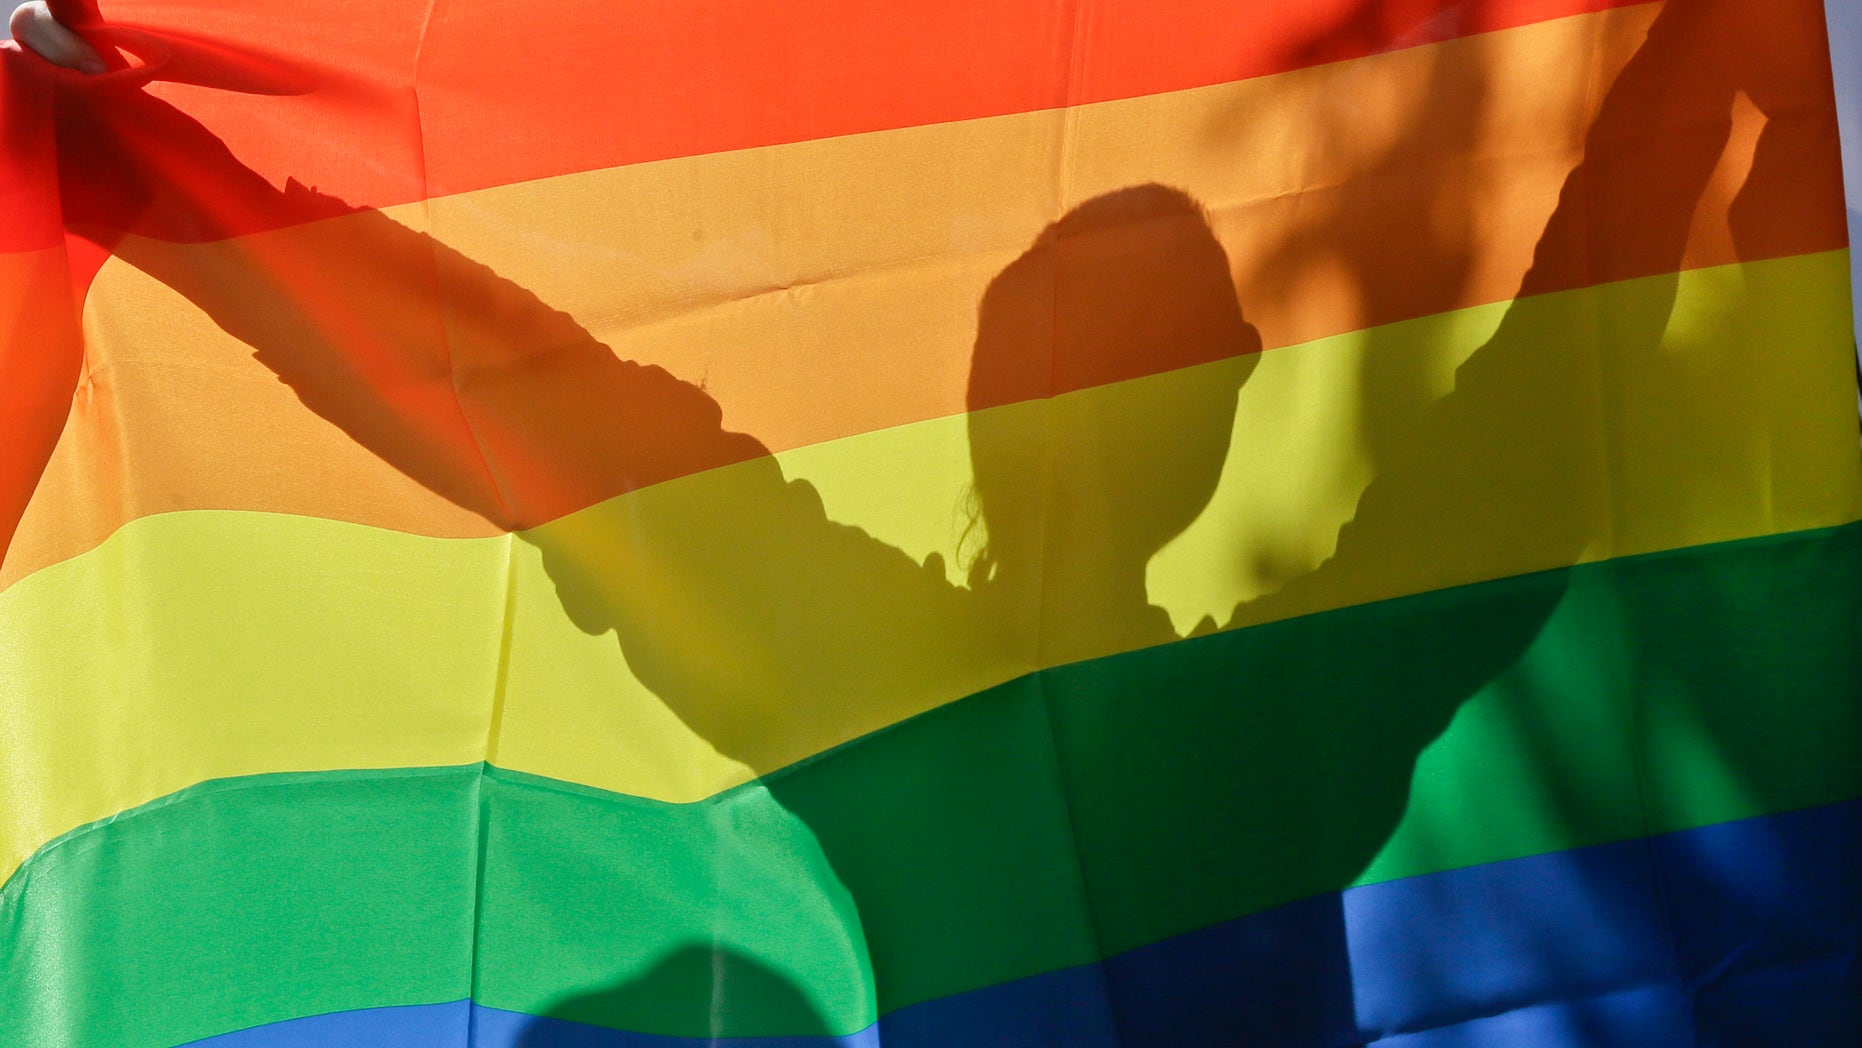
1355, 715
366, 320
720, 588
1551, 353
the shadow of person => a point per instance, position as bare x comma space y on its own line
1103, 387
757, 620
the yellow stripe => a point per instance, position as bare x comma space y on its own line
199, 645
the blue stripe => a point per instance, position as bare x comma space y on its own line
463, 1024
1743, 933
411, 1026
492, 1028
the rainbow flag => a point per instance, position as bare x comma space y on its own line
1078, 522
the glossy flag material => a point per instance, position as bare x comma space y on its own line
1083, 522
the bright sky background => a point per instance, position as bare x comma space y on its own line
1845, 20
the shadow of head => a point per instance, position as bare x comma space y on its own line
1107, 362
695, 991
1121, 290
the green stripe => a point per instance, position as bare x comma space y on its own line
1203, 780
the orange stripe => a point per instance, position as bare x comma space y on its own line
819, 68
1433, 187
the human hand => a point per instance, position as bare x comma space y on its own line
34, 25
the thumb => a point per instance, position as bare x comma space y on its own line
34, 26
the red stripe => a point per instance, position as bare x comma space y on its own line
508, 92
40, 346
730, 76
1136, 48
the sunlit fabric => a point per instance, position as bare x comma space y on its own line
1093, 522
